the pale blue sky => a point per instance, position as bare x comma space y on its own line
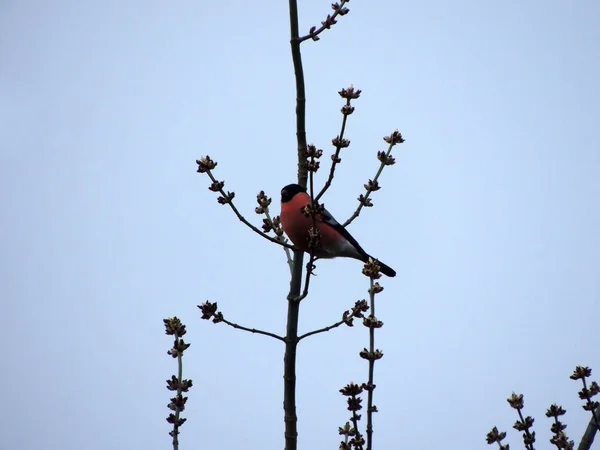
490, 217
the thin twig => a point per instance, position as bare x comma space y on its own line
252, 330
288, 254
355, 419
361, 204
179, 391
322, 330
589, 401
314, 32
370, 384
527, 436
243, 219
314, 238
336, 156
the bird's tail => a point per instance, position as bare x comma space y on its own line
385, 269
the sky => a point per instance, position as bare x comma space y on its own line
490, 217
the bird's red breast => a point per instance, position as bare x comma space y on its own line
297, 226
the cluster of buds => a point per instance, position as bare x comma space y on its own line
581, 373
394, 138
339, 142
357, 311
353, 439
273, 224
263, 203
386, 159
372, 269
210, 311
350, 93
495, 436
269, 224
312, 153
560, 438
205, 164
524, 424
338, 10
174, 327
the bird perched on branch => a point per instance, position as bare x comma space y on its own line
334, 240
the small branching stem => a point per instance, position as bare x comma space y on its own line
369, 428
356, 213
321, 330
336, 157
243, 219
253, 330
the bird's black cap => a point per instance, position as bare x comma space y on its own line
288, 192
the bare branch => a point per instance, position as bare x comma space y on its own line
590, 433
338, 10
253, 330
210, 311
290, 416
339, 142
288, 254
174, 327
373, 354
227, 197
386, 160
348, 316
322, 330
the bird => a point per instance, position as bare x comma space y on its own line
334, 239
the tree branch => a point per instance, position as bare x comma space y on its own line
370, 384
288, 254
386, 160
339, 141
217, 186
322, 330
253, 330
590, 433
291, 338
338, 9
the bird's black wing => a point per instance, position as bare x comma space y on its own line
330, 220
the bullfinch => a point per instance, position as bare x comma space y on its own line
334, 238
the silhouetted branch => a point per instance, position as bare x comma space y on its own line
371, 269
581, 373
347, 317
353, 437
386, 160
205, 165
590, 433
270, 223
174, 327
523, 424
496, 436
339, 142
560, 438
338, 10
209, 311
291, 338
